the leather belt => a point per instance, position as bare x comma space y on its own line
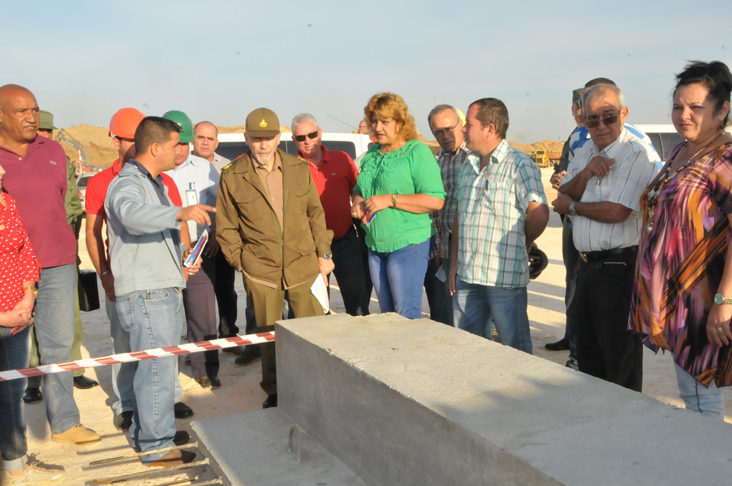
594, 256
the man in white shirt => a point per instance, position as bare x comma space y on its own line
601, 193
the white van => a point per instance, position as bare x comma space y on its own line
232, 145
665, 137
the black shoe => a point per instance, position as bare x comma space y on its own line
33, 395
215, 382
123, 421
84, 383
205, 382
561, 345
182, 410
239, 350
247, 357
270, 402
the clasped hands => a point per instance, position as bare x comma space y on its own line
362, 209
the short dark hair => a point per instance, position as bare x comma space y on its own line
596, 81
492, 111
153, 129
714, 76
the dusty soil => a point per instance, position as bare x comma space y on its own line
241, 392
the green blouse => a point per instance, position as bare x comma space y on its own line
412, 169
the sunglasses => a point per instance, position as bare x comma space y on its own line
444, 131
594, 121
311, 136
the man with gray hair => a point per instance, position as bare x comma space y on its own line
445, 124
334, 174
601, 192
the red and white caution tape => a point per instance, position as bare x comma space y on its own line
231, 342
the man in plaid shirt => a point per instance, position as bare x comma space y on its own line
447, 128
502, 209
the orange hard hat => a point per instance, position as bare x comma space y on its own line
124, 123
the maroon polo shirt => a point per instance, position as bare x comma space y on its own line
37, 182
335, 179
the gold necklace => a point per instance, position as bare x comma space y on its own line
657, 188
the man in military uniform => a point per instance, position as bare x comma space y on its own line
271, 227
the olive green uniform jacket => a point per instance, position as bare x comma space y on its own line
248, 230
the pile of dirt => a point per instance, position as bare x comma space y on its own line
96, 141
528, 149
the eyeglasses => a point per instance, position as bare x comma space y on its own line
311, 136
594, 121
444, 131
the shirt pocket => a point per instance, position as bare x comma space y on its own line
252, 205
498, 197
298, 203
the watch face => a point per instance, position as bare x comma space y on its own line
718, 299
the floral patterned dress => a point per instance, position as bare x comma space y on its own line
681, 256
18, 263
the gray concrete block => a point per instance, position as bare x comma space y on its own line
420, 403
251, 449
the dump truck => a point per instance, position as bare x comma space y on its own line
544, 158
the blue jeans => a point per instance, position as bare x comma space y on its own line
54, 328
154, 319
398, 278
124, 374
697, 397
475, 305
14, 354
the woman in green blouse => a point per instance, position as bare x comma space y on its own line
398, 187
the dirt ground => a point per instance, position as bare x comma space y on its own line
241, 392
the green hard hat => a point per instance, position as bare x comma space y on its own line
46, 120
185, 124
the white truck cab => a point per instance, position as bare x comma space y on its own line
232, 145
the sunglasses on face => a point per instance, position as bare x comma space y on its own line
594, 121
311, 136
444, 131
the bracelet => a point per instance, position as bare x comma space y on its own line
32, 289
393, 200
104, 273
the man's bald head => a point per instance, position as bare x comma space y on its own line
205, 140
19, 115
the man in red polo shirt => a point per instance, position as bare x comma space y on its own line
122, 130
335, 176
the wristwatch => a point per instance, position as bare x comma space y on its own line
572, 211
719, 299
327, 256
393, 200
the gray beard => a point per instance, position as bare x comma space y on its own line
262, 162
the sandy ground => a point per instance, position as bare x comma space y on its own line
241, 392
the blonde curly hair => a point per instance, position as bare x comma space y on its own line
390, 105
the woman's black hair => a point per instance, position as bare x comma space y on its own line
715, 76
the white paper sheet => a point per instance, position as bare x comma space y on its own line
320, 291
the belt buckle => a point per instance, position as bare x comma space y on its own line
583, 256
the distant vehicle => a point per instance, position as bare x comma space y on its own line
543, 158
81, 184
665, 137
232, 145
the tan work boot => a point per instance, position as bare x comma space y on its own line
32, 475
78, 435
174, 458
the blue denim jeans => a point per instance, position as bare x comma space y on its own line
398, 278
154, 319
475, 305
54, 328
124, 374
14, 354
697, 397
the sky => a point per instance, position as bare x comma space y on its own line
219, 59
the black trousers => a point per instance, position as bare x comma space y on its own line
605, 347
226, 297
199, 301
350, 273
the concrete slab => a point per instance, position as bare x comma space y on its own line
251, 449
420, 403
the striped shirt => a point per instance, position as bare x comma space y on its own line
492, 206
450, 164
581, 135
634, 168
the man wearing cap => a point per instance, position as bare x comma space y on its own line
36, 177
122, 131
198, 183
335, 177
271, 227
74, 212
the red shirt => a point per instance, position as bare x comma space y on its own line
38, 184
335, 179
96, 192
18, 263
